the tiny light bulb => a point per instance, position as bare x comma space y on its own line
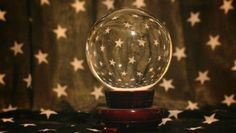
129, 53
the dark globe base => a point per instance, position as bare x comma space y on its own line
139, 119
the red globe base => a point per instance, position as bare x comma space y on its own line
130, 119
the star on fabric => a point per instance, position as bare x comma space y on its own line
139, 3
107, 30
97, 92
28, 125
45, 2
102, 48
139, 74
2, 78
60, 32
194, 128
233, 68
174, 113
227, 6
41, 57
114, 18
47, 130
17, 48
229, 100
118, 42
112, 62
78, 6
213, 41
60, 90
132, 60
194, 18
167, 84
123, 73
141, 42
156, 42
77, 64
192, 106
210, 119
47, 112
2, 15
146, 26
202, 77
108, 4
28, 80
9, 108
127, 25
11, 120
179, 53
164, 121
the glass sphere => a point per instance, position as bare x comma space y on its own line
129, 49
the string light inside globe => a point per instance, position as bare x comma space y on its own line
129, 50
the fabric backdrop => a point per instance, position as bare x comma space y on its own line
42, 53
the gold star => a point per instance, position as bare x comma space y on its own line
2, 79
229, 100
192, 106
17, 48
11, 120
45, 2
141, 42
179, 53
233, 68
60, 90
28, 81
174, 113
47, 112
77, 64
118, 42
41, 57
9, 108
167, 84
78, 6
202, 77
108, 4
210, 119
60, 32
227, 6
213, 41
139, 3
132, 60
97, 92
194, 18
2, 15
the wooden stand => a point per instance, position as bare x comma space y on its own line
129, 111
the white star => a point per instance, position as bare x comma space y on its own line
146, 26
194, 128
194, 18
2, 15
112, 62
179, 53
192, 106
60, 90
102, 48
229, 100
108, 4
107, 30
202, 77
28, 125
28, 81
17, 48
139, 3
139, 74
78, 6
11, 119
174, 113
164, 120
2, 79
47, 112
127, 25
60, 32
141, 42
118, 42
123, 73
135, 15
77, 64
97, 92
227, 6
233, 68
47, 130
41, 57
45, 2
167, 84
9, 108
132, 60
210, 119
213, 41
156, 42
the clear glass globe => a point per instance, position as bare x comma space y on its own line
129, 50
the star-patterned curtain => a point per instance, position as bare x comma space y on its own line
42, 53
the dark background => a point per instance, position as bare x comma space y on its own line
32, 23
